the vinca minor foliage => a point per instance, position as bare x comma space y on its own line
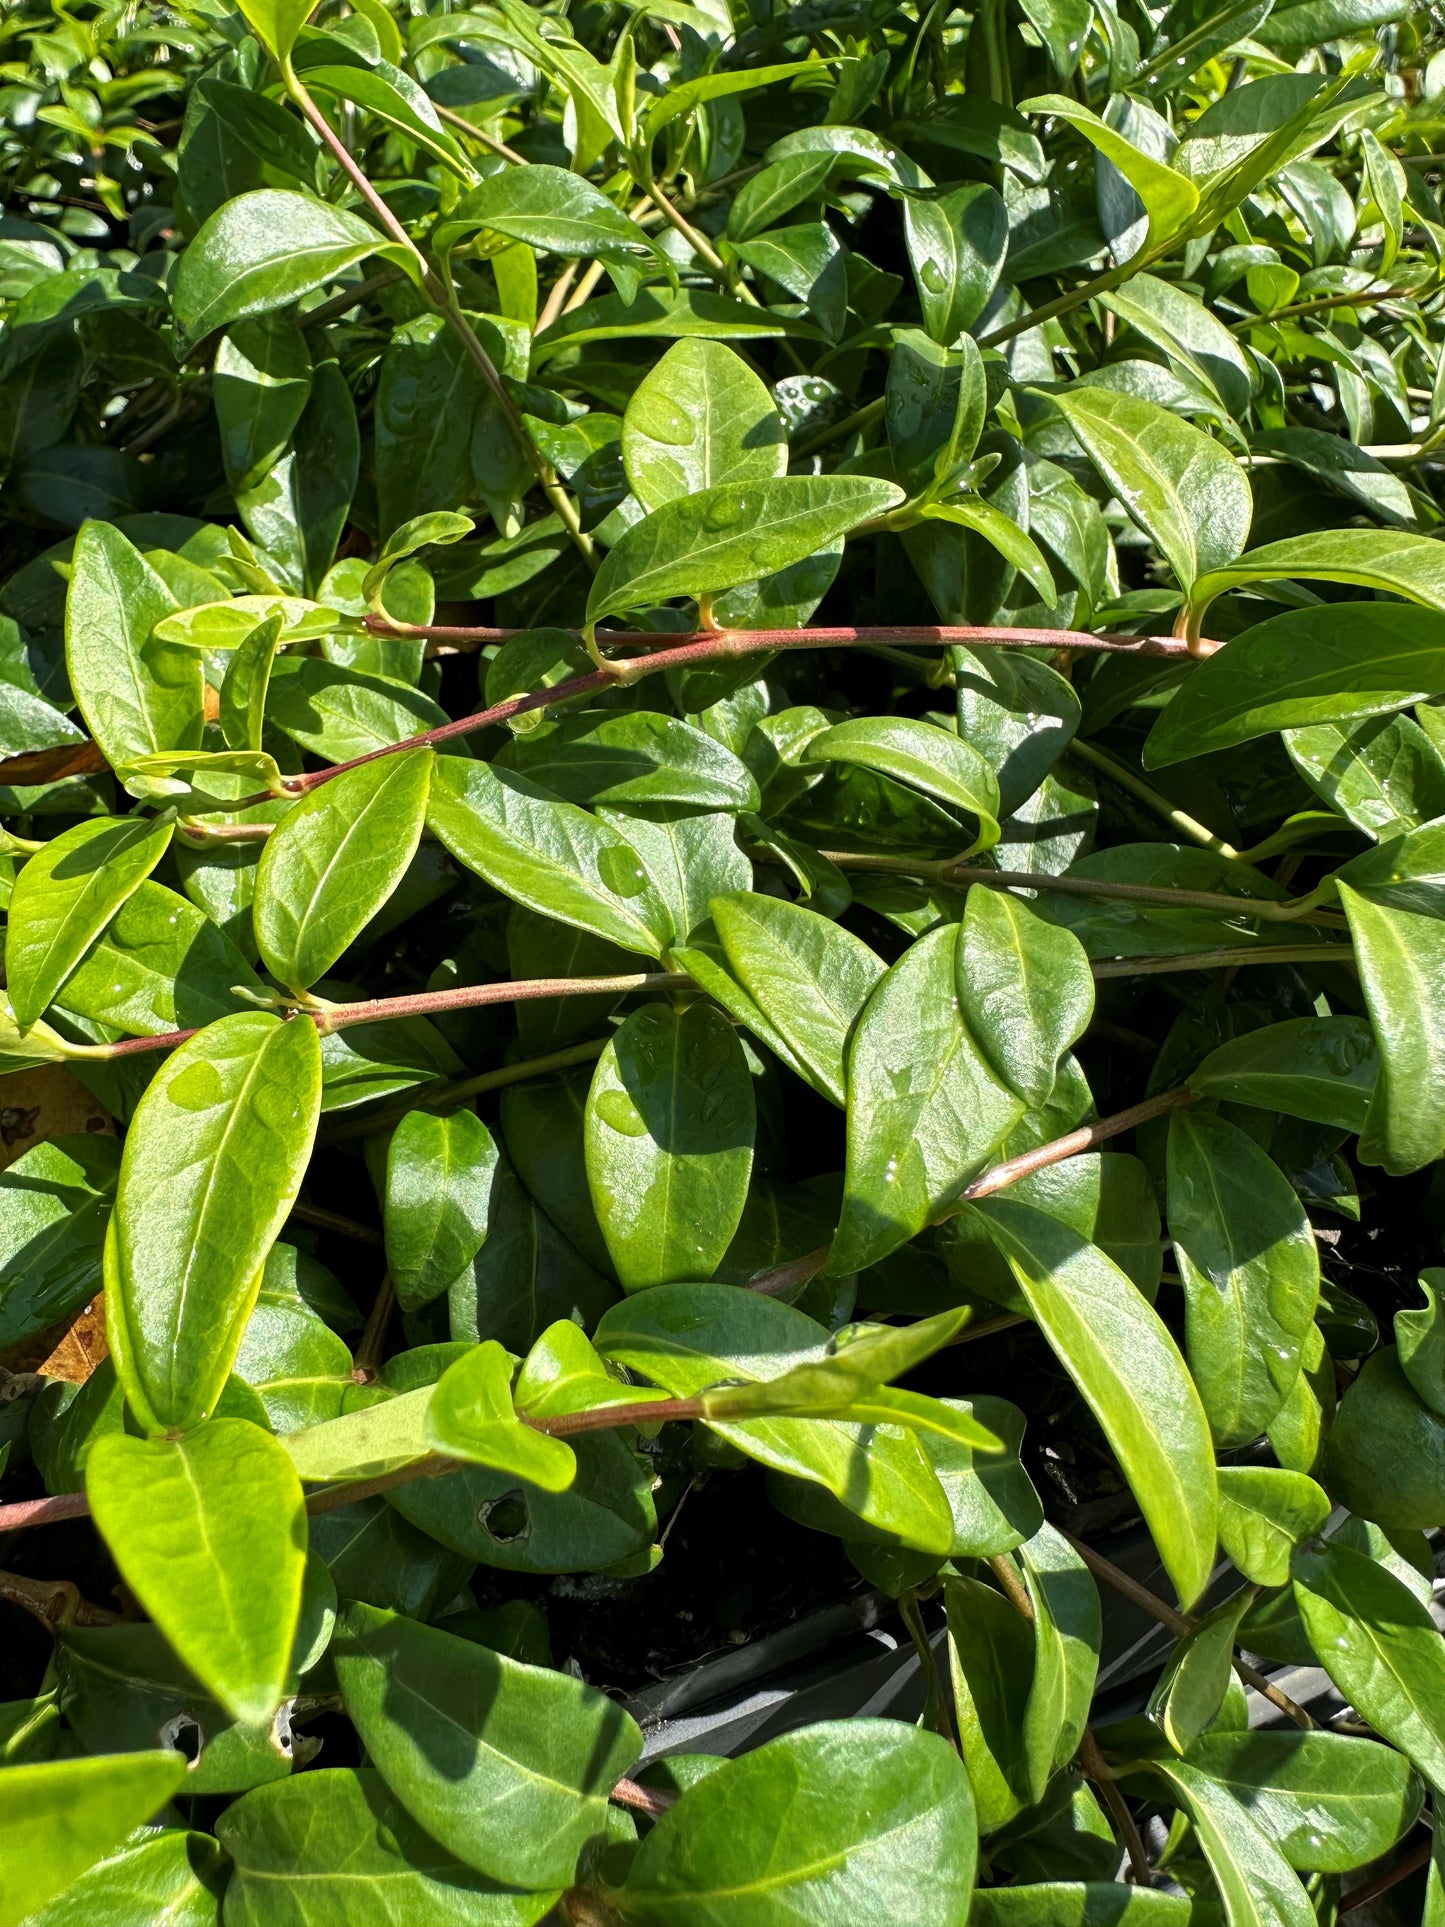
723, 853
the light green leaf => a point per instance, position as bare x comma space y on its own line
1025, 989
168, 1875
59, 1817
333, 862
1078, 1903
956, 247
1401, 960
331, 1841
1002, 533
1317, 665
1250, 1269
699, 545
849, 1820
1321, 1068
1187, 493
276, 23
549, 855
925, 1111
921, 755
209, 1532
213, 1161
1120, 1355
700, 418
1381, 1648
137, 695
1169, 199
471, 1417
669, 1143
439, 1177
65, 896
263, 251
1256, 1883
509, 1765
1412, 566
1264, 1513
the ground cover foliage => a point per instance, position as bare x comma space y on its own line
724, 788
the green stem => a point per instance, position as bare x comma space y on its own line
445, 1096
1260, 953
1177, 819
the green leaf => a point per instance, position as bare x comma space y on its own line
1250, 1270
55, 1200
848, 1820
1186, 492
1256, 1884
669, 1139
510, 1765
394, 97
544, 853
1386, 1455
1119, 1354
921, 755
1420, 1337
1321, 1068
1401, 959
260, 252
1067, 1635
61, 1816
660, 314
698, 545
683, 96
925, 1111
378, 1435
340, 713
1077, 1903
1380, 1647
687, 1338
471, 1417
956, 246
209, 1533
1329, 1802
1169, 199
1317, 665
161, 965
137, 695
439, 1177
168, 1875
213, 1161
1001, 532
336, 1840
261, 384
640, 761
276, 23
1264, 1513
1190, 1695
333, 862
1025, 989
991, 1661
698, 419
555, 212
66, 895
246, 686
807, 977
935, 404
1411, 566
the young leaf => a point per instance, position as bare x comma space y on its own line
1264, 1513
700, 418
59, 1817
439, 1177
509, 1766
1250, 1268
925, 1111
213, 1161
698, 545
1186, 492
209, 1532
1121, 1357
276, 23
1169, 198
849, 1820
334, 860
247, 684
1025, 990
669, 1142
66, 895
471, 1417
1380, 1647
547, 854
